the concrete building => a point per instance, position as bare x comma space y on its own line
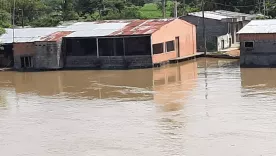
25, 50
258, 44
128, 44
221, 28
41, 54
103, 44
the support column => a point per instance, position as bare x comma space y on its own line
234, 32
97, 43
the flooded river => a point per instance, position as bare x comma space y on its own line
208, 107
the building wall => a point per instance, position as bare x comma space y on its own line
263, 53
22, 49
48, 55
213, 29
227, 42
108, 62
169, 32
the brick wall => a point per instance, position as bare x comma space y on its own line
47, 55
108, 62
263, 54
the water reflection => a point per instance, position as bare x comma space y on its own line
172, 85
167, 86
258, 82
174, 110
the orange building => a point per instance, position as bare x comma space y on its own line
129, 43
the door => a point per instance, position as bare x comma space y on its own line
222, 44
177, 46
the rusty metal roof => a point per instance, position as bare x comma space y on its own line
86, 29
117, 27
56, 36
142, 27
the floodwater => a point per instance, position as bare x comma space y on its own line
208, 107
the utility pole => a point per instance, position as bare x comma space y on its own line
13, 21
175, 8
264, 3
164, 8
22, 17
204, 27
184, 7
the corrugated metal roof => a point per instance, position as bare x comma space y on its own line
259, 27
90, 29
27, 34
85, 29
222, 14
143, 27
56, 36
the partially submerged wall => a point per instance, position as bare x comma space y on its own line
108, 62
187, 40
48, 55
263, 52
22, 50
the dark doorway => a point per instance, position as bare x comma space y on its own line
6, 55
177, 46
222, 44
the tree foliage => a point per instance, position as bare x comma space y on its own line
52, 12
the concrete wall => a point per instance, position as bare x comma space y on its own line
227, 39
108, 62
263, 53
169, 32
213, 29
47, 55
22, 49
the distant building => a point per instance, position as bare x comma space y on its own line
258, 44
102, 44
221, 28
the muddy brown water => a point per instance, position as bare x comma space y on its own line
208, 107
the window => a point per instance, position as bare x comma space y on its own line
169, 46
248, 44
137, 46
26, 62
158, 48
111, 47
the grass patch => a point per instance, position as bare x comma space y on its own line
151, 11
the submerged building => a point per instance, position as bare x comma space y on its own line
102, 44
128, 44
221, 28
258, 44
